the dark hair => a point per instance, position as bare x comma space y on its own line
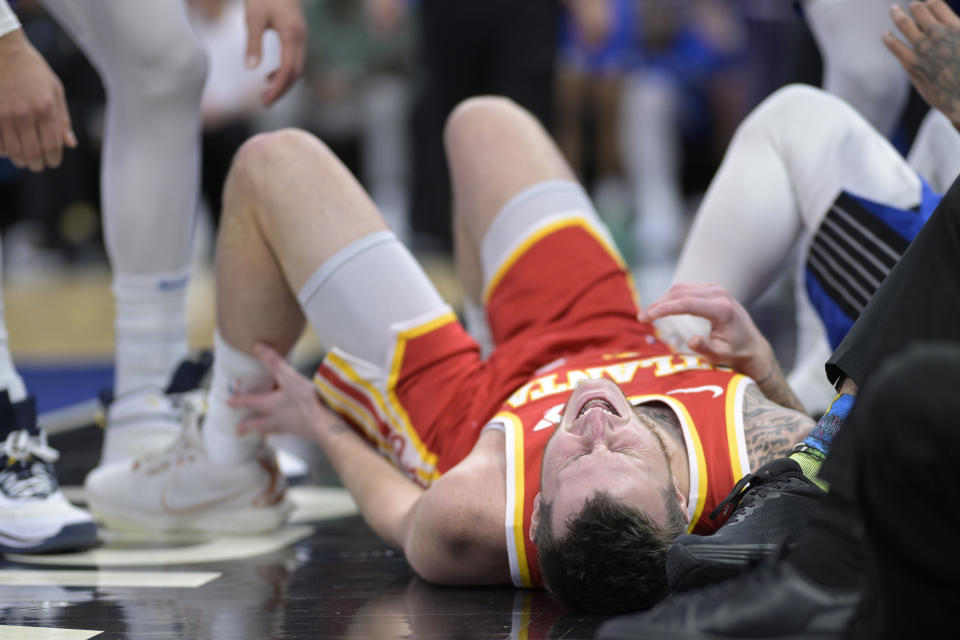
612, 557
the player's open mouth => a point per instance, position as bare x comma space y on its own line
598, 403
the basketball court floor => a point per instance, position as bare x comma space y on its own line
324, 575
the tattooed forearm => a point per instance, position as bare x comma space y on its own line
938, 63
771, 430
775, 387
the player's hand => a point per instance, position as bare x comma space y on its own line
286, 18
34, 122
931, 55
734, 339
293, 406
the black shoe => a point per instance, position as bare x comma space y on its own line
774, 601
764, 508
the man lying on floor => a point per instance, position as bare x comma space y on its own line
572, 455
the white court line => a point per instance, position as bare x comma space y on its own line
218, 549
159, 579
312, 504
43, 633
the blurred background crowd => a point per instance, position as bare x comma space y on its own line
642, 95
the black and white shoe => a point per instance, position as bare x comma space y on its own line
764, 508
35, 517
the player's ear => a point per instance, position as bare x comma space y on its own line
535, 516
681, 500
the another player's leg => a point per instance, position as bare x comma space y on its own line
34, 514
782, 173
153, 69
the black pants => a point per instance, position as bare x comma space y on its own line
898, 456
468, 48
906, 425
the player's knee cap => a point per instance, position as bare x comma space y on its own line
467, 115
176, 70
258, 153
790, 104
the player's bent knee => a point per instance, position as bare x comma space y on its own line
259, 156
798, 103
471, 115
174, 71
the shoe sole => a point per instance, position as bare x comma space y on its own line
700, 565
72, 538
232, 521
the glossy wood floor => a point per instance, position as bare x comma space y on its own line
325, 575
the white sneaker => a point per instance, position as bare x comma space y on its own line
149, 419
35, 517
139, 422
181, 489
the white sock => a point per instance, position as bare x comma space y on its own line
9, 378
233, 372
151, 329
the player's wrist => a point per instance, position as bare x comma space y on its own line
12, 43
8, 20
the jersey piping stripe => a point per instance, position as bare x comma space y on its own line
426, 466
358, 414
428, 456
379, 429
515, 480
338, 379
736, 440
543, 232
698, 484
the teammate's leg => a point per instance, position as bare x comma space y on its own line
34, 515
153, 69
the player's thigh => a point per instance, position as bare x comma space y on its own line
127, 38
547, 260
495, 150
827, 147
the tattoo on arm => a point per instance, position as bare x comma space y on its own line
770, 430
938, 62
